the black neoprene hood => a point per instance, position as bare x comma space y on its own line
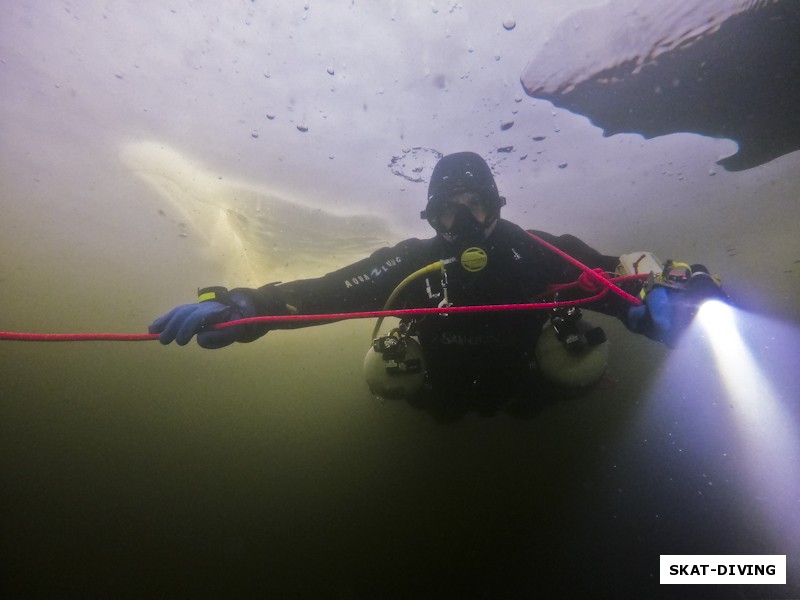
461, 172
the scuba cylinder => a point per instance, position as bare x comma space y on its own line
394, 366
570, 352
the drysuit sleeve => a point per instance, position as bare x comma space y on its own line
364, 285
562, 271
579, 250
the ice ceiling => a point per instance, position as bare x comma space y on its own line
231, 125
723, 69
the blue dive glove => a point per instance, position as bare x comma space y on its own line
216, 306
654, 318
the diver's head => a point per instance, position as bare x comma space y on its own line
463, 201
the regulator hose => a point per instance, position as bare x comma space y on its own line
431, 268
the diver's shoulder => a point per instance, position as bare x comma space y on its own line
509, 228
414, 245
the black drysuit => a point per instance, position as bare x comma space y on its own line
473, 353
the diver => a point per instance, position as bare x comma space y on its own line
476, 258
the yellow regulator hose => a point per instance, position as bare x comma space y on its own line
431, 268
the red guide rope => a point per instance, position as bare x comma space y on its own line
605, 285
598, 278
141, 337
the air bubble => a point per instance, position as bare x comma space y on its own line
302, 128
509, 24
330, 71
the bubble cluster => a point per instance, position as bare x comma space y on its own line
415, 164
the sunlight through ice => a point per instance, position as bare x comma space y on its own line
259, 235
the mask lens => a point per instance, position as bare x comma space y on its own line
473, 202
